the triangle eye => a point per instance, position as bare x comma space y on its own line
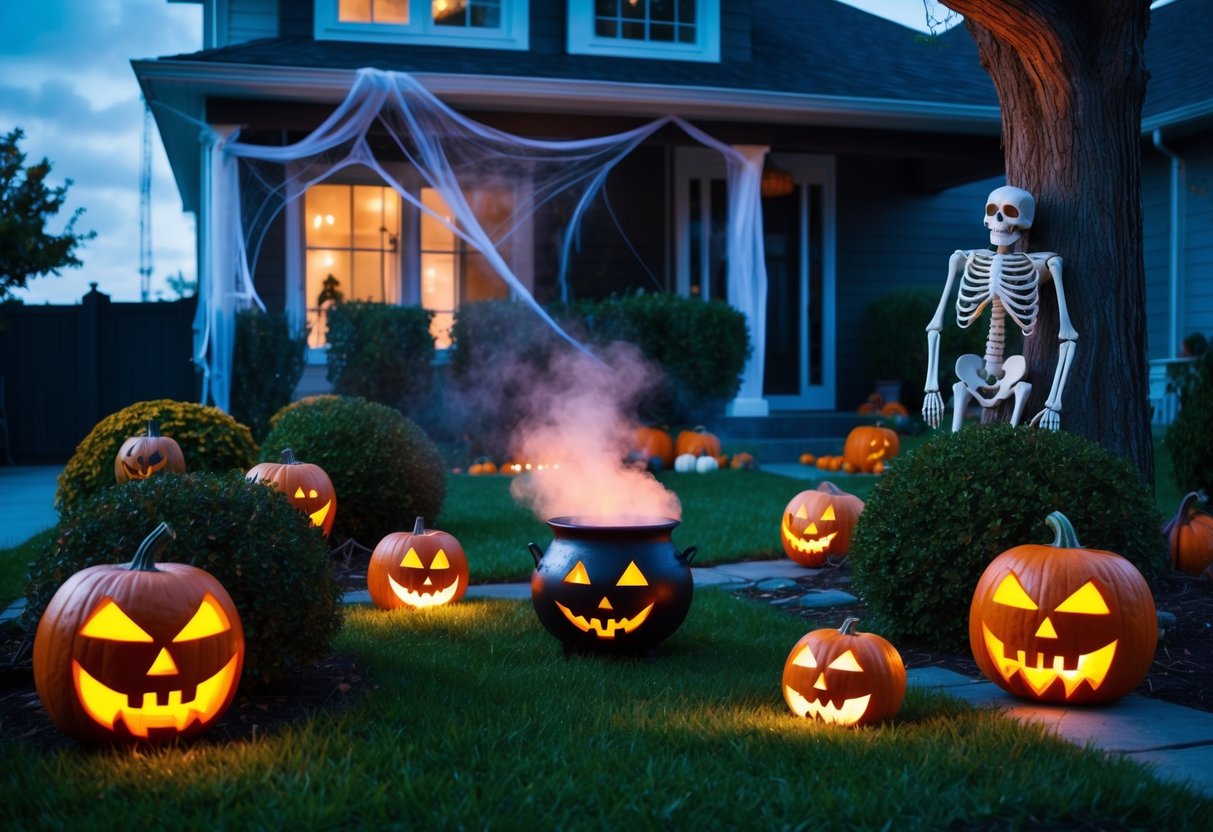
1086, 600
299, 493
209, 620
1012, 594
632, 576
578, 575
109, 622
805, 658
440, 561
411, 560
828, 514
801, 514
846, 661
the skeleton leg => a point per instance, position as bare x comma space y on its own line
960, 403
1021, 398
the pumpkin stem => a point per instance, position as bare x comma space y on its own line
151, 547
288, 457
419, 526
1063, 533
849, 625
153, 427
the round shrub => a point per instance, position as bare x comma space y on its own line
265, 552
384, 468
944, 511
210, 440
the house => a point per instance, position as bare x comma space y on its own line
866, 149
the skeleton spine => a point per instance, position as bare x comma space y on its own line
996, 338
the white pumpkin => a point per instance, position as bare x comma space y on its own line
706, 463
684, 463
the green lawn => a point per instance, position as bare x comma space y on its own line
472, 718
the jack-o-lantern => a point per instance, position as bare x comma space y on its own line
844, 677
1190, 537
1062, 623
618, 588
697, 442
819, 523
138, 651
306, 486
867, 445
422, 568
143, 456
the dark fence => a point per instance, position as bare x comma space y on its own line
63, 368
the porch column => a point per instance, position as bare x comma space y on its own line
747, 273
218, 232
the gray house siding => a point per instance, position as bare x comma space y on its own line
247, 20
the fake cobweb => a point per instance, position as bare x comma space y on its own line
391, 125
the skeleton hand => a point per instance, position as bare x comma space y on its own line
932, 408
1049, 419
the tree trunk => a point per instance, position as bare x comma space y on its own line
1071, 79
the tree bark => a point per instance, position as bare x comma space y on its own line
1071, 79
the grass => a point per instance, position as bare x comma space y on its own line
473, 718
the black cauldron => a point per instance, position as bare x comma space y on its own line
611, 584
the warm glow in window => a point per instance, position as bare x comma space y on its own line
373, 11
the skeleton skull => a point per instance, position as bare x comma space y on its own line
1009, 213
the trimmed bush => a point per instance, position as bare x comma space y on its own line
384, 468
1189, 439
381, 352
944, 511
265, 552
267, 364
210, 440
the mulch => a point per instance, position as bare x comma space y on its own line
1182, 672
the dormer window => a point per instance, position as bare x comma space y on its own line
687, 30
491, 24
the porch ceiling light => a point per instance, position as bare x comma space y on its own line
776, 182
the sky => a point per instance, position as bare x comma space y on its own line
66, 81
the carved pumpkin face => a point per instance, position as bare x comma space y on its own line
819, 523
138, 651
1060, 623
601, 596
306, 486
426, 568
868, 445
844, 677
141, 457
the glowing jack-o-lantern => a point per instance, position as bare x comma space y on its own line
138, 651
141, 457
819, 523
869, 447
1062, 623
306, 486
424, 568
844, 677
616, 586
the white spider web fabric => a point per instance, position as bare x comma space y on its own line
250, 184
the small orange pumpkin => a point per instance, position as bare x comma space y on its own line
743, 460
871, 406
655, 443
818, 523
306, 486
1190, 536
422, 568
808, 459
143, 456
844, 677
895, 410
482, 465
868, 444
698, 442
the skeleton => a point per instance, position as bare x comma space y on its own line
1009, 283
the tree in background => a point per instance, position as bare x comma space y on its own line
27, 249
1071, 79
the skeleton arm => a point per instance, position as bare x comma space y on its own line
932, 402
1050, 417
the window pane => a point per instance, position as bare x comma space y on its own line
686, 34
661, 10
327, 210
449, 12
354, 11
391, 11
370, 231
632, 31
606, 29
435, 235
606, 8
661, 32
632, 11
486, 16
686, 11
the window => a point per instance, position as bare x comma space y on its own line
495, 24
673, 29
351, 246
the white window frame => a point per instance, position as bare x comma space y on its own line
583, 41
421, 29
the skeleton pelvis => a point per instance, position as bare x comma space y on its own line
971, 370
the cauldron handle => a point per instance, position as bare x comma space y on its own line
686, 555
536, 552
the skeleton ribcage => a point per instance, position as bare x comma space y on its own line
1010, 277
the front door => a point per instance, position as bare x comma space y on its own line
798, 234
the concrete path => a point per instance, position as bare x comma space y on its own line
1176, 741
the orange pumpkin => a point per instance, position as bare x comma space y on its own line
807, 459
138, 651
655, 443
871, 406
143, 456
698, 442
1190, 537
743, 460
895, 410
306, 486
424, 568
844, 677
482, 465
868, 444
1063, 623
819, 523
